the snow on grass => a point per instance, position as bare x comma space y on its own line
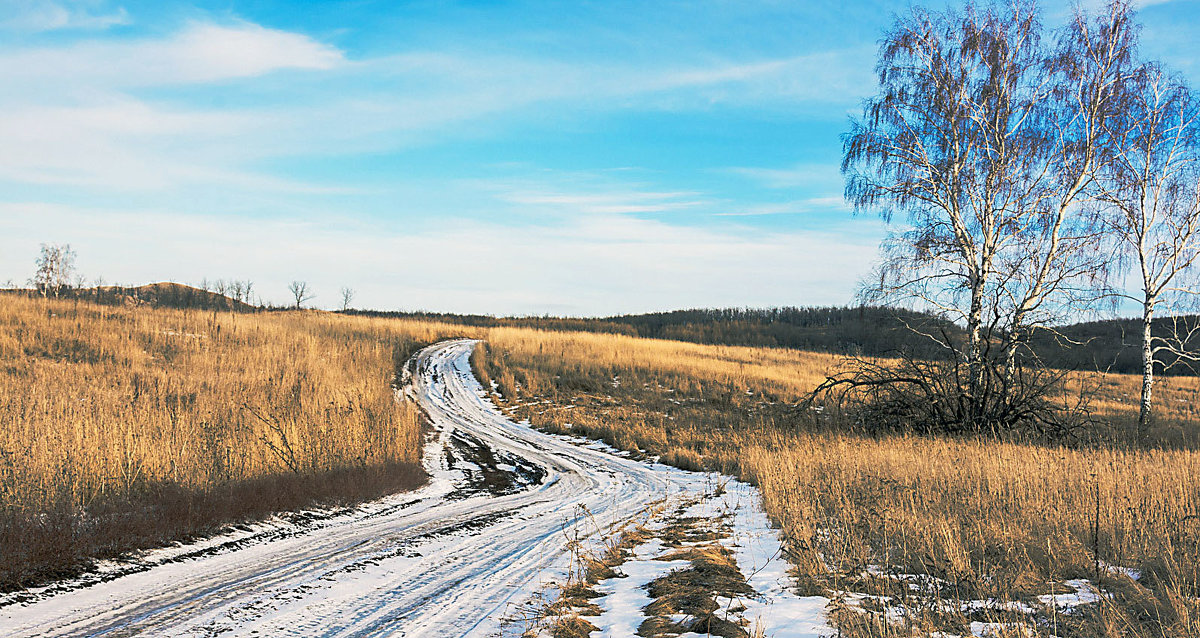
777, 610
1084, 593
625, 597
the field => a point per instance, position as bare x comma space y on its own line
933, 531
125, 427
128, 427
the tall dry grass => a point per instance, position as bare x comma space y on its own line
993, 520
123, 427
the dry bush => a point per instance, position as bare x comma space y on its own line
992, 519
125, 427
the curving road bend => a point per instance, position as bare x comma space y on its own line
454, 558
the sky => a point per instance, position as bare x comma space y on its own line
567, 158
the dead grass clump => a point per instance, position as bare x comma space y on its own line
691, 592
572, 627
685, 530
684, 458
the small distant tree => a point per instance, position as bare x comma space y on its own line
242, 290
300, 292
98, 288
235, 290
347, 297
55, 269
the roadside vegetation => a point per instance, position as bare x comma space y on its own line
933, 532
125, 426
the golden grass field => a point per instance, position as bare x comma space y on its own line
189, 418
994, 520
125, 427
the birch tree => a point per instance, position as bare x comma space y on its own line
921, 148
55, 269
1151, 189
1055, 267
984, 134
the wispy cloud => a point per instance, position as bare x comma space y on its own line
199, 53
78, 113
73, 116
794, 207
620, 202
122, 144
45, 15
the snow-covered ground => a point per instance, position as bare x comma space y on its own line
459, 557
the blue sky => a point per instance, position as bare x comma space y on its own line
581, 158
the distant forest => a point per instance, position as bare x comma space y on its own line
1112, 345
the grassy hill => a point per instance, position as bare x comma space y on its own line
158, 295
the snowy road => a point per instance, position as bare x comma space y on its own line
454, 558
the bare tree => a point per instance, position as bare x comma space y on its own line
55, 269
985, 136
235, 290
300, 292
1151, 189
347, 297
241, 291
1055, 267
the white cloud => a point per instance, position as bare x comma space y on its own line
590, 265
842, 76
71, 117
121, 144
76, 116
207, 52
200, 53
44, 15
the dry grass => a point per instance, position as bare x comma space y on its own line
1001, 520
695, 366
125, 427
